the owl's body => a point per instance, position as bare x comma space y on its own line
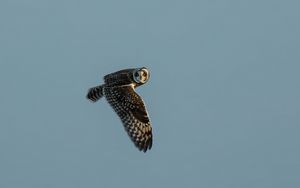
119, 90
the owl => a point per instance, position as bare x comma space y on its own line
119, 91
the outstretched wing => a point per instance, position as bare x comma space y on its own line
131, 109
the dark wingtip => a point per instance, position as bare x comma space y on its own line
94, 94
146, 146
89, 97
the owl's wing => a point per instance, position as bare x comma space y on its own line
131, 109
95, 93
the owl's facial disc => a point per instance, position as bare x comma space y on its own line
141, 75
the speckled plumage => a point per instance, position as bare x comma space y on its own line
119, 90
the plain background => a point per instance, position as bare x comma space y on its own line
223, 95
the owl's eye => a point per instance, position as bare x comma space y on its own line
136, 74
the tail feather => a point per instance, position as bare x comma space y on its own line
95, 93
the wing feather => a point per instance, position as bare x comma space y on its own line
131, 109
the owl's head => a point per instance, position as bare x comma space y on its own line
141, 75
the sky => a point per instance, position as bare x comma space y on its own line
223, 96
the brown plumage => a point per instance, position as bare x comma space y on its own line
119, 91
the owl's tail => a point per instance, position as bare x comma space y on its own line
95, 93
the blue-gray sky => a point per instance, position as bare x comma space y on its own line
224, 94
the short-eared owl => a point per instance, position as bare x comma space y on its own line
119, 91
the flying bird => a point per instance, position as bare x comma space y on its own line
119, 91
